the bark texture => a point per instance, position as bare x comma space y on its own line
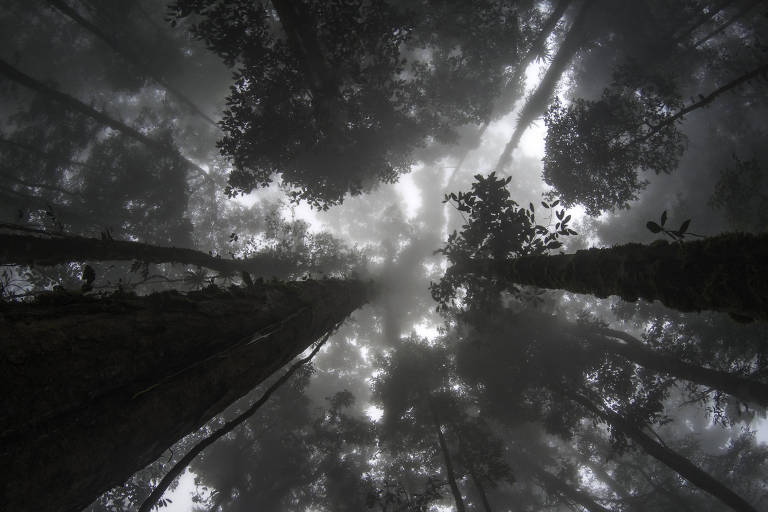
726, 273
53, 249
95, 389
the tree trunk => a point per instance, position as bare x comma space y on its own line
539, 100
480, 490
761, 70
131, 58
741, 12
726, 273
738, 386
76, 105
95, 389
553, 483
448, 464
52, 249
672, 459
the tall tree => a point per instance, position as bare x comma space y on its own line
537, 103
595, 149
335, 117
99, 387
501, 246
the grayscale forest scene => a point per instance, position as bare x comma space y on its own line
384, 255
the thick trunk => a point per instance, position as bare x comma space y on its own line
225, 429
537, 103
726, 273
448, 465
131, 58
95, 389
53, 249
672, 459
76, 105
736, 385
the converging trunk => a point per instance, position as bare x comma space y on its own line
741, 387
43, 248
726, 273
672, 459
97, 388
458, 499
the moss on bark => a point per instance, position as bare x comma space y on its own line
726, 273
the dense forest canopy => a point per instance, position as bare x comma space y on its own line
384, 255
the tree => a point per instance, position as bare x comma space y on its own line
537, 103
34, 247
99, 387
501, 247
558, 384
335, 96
594, 149
75, 105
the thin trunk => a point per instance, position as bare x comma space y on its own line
553, 483
179, 467
45, 248
76, 105
726, 273
96, 389
536, 50
480, 489
741, 12
672, 459
701, 20
738, 386
539, 100
131, 58
448, 464
703, 102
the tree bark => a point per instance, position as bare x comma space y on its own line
95, 389
52, 249
744, 389
131, 58
726, 273
76, 105
672, 459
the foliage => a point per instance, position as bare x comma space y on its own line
741, 194
595, 149
496, 229
335, 96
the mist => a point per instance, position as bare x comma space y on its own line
389, 256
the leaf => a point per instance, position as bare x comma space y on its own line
684, 227
664, 217
566, 219
572, 232
530, 206
554, 244
545, 205
555, 203
653, 227
560, 214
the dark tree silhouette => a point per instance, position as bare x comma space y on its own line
501, 246
595, 149
134, 374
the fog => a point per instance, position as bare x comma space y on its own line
326, 138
